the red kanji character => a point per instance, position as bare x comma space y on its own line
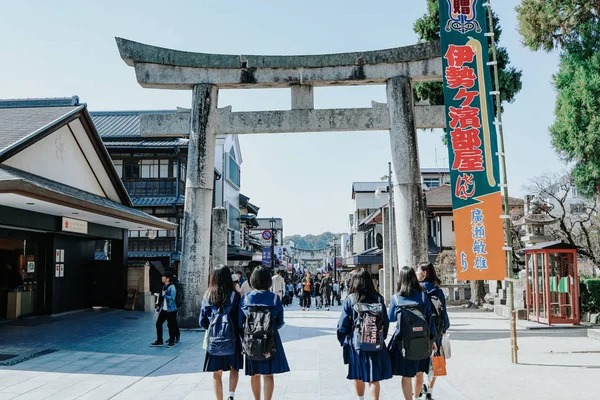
461, 7
458, 55
463, 184
468, 160
466, 95
464, 117
465, 139
460, 77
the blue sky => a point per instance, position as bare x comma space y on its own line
60, 48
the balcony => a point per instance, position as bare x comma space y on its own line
151, 187
158, 244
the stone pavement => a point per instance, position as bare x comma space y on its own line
104, 355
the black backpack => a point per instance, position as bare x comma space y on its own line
178, 291
414, 338
437, 314
258, 342
368, 326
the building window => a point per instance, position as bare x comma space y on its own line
233, 171
119, 167
431, 183
131, 169
577, 208
234, 218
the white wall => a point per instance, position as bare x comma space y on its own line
447, 232
58, 157
368, 200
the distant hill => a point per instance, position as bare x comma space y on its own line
311, 241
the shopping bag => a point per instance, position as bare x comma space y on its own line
446, 345
205, 341
439, 365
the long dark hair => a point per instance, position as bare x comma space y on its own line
361, 284
408, 283
430, 274
220, 285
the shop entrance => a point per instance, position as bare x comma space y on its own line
22, 279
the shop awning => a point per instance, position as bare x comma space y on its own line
20, 189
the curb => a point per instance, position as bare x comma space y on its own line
594, 333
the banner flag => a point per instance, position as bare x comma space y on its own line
472, 141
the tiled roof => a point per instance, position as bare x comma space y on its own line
367, 187
19, 123
157, 201
178, 142
12, 174
442, 197
439, 197
121, 124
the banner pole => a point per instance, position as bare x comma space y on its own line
507, 221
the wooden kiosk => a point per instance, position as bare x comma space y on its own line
552, 289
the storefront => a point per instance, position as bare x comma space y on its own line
64, 213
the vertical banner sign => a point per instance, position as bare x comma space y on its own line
472, 141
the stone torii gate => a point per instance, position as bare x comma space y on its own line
205, 74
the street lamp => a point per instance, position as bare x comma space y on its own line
273, 221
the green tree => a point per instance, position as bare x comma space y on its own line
573, 26
428, 29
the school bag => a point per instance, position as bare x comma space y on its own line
178, 292
258, 342
220, 332
437, 313
414, 337
368, 326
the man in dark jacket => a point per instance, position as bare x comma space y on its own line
326, 286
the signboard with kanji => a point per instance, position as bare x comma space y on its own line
472, 141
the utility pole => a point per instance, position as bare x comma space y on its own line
507, 222
273, 231
334, 261
391, 227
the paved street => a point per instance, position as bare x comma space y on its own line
106, 354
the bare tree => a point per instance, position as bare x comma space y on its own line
577, 221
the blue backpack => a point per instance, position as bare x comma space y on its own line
220, 332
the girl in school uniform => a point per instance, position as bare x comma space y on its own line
262, 296
363, 367
430, 283
409, 291
221, 292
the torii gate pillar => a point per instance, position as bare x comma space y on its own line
195, 259
411, 232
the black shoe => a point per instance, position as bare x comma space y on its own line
177, 339
428, 396
171, 344
230, 398
158, 343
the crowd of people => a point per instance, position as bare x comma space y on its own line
242, 318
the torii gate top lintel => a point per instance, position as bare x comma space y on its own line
421, 62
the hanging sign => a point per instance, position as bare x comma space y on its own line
74, 225
30, 266
472, 141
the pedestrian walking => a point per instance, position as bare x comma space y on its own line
326, 290
278, 286
336, 293
261, 319
167, 311
316, 292
300, 293
431, 284
220, 315
307, 286
362, 329
412, 342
